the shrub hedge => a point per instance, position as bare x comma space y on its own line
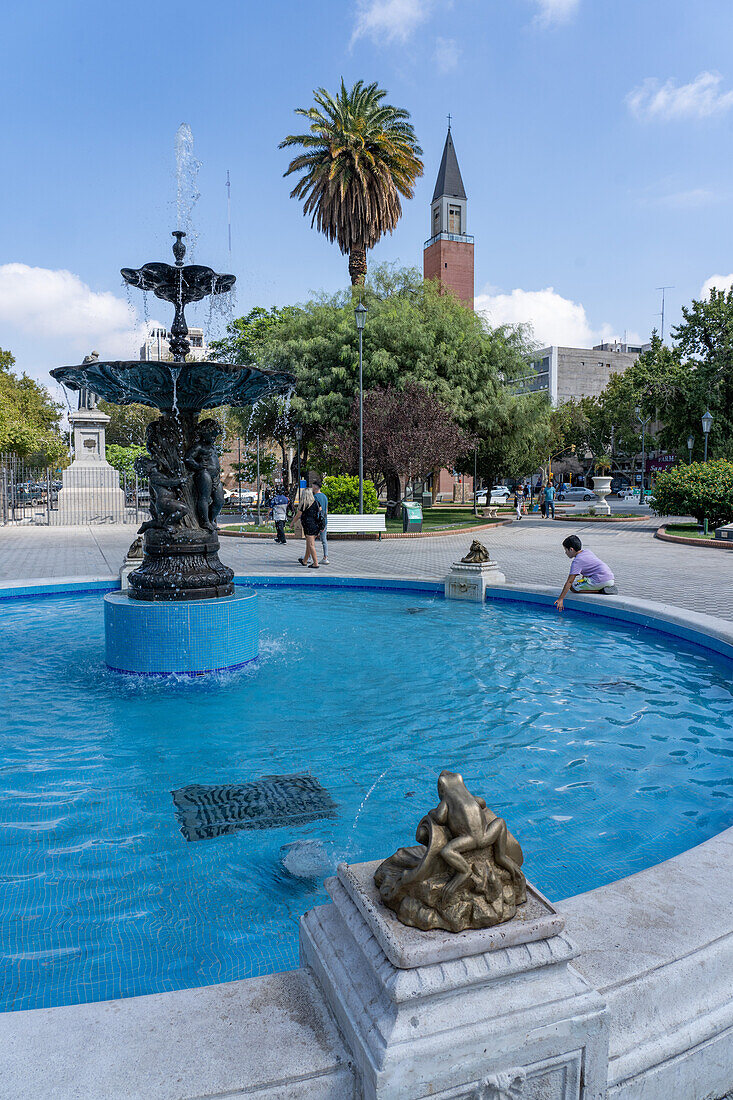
703, 490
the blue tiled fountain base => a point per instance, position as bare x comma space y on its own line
189, 636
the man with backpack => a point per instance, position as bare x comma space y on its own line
279, 504
321, 498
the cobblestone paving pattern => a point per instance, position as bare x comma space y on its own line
528, 552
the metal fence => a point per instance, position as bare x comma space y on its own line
79, 495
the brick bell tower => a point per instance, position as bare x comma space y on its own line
448, 255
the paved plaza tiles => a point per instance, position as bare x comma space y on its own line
528, 552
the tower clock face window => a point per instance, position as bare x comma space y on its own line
454, 219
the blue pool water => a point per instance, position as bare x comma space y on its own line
605, 748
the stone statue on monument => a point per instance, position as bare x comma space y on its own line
87, 399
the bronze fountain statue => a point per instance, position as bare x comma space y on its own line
181, 545
464, 872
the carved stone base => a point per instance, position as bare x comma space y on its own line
467, 581
181, 566
496, 1014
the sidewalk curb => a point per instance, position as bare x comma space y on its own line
716, 544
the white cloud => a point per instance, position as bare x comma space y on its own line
389, 20
702, 98
552, 318
555, 11
447, 54
720, 282
55, 307
688, 200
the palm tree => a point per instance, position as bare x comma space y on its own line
360, 156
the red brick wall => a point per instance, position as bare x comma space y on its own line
452, 263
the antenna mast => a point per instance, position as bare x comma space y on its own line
663, 288
229, 212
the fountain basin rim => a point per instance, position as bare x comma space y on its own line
708, 632
200, 383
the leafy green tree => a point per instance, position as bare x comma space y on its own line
703, 490
518, 440
414, 335
123, 458
360, 154
246, 470
29, 417
704, 342
343, 495
128, 423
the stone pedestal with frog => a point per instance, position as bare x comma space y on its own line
495, 1011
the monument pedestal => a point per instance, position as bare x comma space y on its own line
497, 1014
468, 581
91, 490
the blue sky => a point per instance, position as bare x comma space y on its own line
594, 138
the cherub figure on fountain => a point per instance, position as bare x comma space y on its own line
166, 509
202, 457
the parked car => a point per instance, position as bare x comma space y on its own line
579, 493
499, 495
247, 496
628, 493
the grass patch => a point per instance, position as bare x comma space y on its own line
433, 519
689, 531
614, 515
265, 528
443, 519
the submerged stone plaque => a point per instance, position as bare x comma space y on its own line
271, 802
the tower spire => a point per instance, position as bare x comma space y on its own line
449, 181
448, 254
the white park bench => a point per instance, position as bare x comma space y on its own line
339, 524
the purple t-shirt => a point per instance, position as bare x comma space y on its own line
586, 563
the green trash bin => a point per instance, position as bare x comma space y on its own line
411, 516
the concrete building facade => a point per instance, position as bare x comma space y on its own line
567, 374
156, 347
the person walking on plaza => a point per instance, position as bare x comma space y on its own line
518, 499
322, 499
526, 492
549, 493
587, 572
310, 515
279, 505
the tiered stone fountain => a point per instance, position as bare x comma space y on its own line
182, 613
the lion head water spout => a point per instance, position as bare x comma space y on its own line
181, 544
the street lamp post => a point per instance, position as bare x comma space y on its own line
239, 473
360, 315
690, 445
475, 479
643, 423
298, 438
258, 479
707, 423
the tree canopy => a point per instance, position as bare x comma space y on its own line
414, 334
29, 417
128, 423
